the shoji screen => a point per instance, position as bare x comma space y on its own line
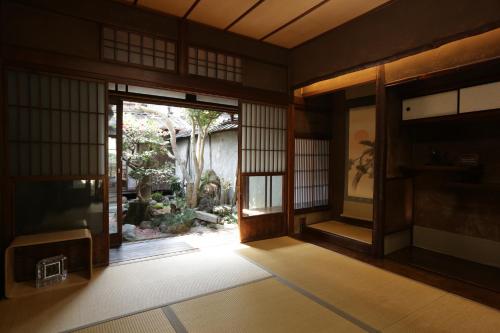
263, 158
56, 125
263, 138
311, 173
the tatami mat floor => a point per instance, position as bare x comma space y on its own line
306, 289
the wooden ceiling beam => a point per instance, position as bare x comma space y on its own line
294, 19
191, 9
258, 3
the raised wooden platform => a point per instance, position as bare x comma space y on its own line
342, 234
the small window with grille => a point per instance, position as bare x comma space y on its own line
138, 49
215, 65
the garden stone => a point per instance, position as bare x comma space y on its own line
153, 202
178, 228
164, 228
128, 231
137, 212
206, 204
207, 217
146, 225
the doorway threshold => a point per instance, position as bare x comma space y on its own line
149, 249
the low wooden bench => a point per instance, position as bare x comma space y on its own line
15, 289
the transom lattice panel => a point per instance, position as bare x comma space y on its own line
263, 138
56, 125
312, 158
215, 65
138, 49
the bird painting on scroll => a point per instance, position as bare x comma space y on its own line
361, 153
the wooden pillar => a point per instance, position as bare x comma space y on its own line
380, 165
182, 44
291, 170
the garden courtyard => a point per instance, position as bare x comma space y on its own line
173, 174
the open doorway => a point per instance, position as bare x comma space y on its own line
172, 178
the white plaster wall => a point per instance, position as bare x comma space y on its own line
221, 155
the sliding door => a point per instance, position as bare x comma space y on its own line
115, 181
262, 171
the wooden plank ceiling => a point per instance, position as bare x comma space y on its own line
285, 23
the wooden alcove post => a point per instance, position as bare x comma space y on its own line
380, 166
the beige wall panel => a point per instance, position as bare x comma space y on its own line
455, 54
328, 16
480, 98
476, 249
172, 7
341, 82
358, 210
220, 13
270, 15
264, 76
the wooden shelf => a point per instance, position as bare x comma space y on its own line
27, 288
485, 115
475, 186
442, 168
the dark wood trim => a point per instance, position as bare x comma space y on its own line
64, 64
183, 51
74, 12
4, 203
313, 136
239, 181
172, 102
311, 210
190, 10
397, 56
361, 101
291, 169
239, 18
307, 12
115, 240
380, 166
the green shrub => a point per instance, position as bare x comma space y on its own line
158, 197
158, 205
176, 187
229, 219
226, 213
185, 217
